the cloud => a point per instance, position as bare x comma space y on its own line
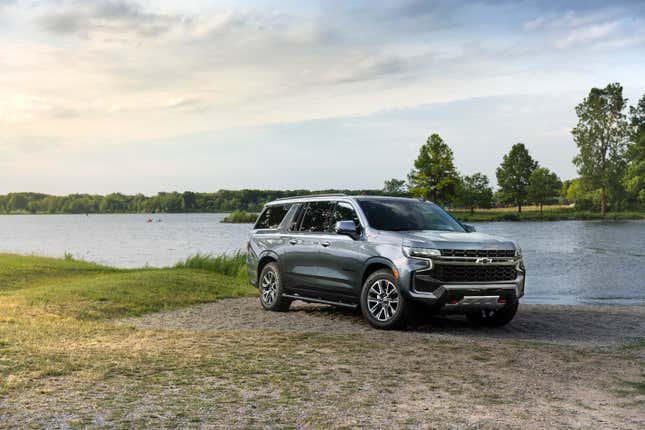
105, 18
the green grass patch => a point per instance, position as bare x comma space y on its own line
240, 217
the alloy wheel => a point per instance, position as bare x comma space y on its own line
383, 300
269, 288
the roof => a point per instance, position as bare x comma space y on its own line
314, 197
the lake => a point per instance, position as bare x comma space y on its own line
568, 262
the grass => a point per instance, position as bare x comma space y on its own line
240, 217
532, 213
225, 264
52, 309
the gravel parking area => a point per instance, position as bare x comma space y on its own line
555, 367
566, 325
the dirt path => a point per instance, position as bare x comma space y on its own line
567, 325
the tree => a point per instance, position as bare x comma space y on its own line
543, 185
434, 176
635, 173
514, 173
601, 136
475, 191
394, 187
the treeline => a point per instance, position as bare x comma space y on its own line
165, 202
611, 163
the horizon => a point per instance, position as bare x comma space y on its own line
137, 97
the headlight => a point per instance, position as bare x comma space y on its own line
518, 251
420, 252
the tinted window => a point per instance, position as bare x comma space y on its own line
343, 212
272, 216
399, 215
316, 216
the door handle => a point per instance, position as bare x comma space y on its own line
293, 241
325, 244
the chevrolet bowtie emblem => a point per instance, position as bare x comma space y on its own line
484, 260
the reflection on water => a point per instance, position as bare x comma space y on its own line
570, 262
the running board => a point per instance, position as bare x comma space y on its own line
322, 301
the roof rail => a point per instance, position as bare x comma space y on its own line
312, 195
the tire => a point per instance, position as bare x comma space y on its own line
494, 318
271, 289
382, 303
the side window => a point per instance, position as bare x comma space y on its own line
272, 216
316, 216
343, 212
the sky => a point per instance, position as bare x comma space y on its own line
146, 96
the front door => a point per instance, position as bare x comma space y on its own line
340, 265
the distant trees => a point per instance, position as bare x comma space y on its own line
514, 173
601, 136
543, 186
475, 191
434, 175
394, 187
163, 202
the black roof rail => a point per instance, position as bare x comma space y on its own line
312, 195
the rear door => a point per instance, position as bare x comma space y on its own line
301, 255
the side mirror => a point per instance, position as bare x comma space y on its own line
347, 228
469, 228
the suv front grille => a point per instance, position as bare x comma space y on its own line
470, 273
491, 253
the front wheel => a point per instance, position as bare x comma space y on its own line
382, 303
271, 289
494, 317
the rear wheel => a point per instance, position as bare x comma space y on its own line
271, 289
494, 317
382, 303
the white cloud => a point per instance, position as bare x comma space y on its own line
586, 34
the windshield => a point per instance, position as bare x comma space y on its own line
402, 215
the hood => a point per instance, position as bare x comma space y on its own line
455, 240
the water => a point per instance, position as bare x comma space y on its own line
568, 262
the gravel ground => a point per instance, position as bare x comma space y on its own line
567, 325
231, 364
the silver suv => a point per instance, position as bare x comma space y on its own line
385, 255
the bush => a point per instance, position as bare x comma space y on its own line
240, 217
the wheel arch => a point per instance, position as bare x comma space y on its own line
374, 264
266, 258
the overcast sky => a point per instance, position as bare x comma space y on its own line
144, 96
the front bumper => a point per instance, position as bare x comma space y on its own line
464, 296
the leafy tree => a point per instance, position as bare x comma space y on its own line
475, 191
514, 173
394, 187
188, 200
434, 175
635, 174
601, 136
543, 185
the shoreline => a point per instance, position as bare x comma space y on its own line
482, 216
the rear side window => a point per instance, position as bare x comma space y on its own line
272, 216
316, 217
